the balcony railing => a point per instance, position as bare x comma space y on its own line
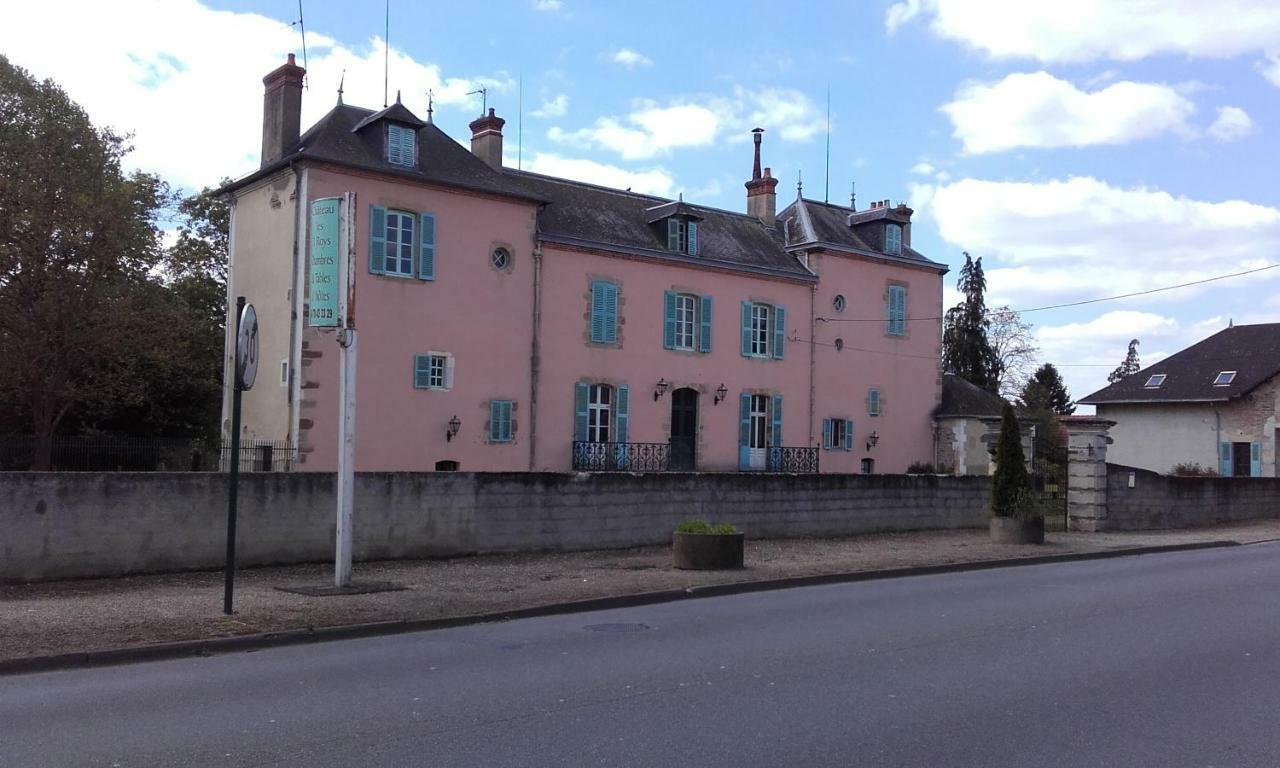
663, 457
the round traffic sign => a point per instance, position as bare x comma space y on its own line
247, 348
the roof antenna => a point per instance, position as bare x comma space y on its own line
299, 23
826, 187
853, 195
484, 98
431, 104
520, 128
341, 80
386, 56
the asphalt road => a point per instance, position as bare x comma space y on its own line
1158, 660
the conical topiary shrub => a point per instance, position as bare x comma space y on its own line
1011, 486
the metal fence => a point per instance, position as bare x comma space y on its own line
113, 453
659, 457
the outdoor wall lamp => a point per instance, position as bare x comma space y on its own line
721, 393
872, 439
454, 426
660, 388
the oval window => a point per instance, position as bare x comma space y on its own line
500, 258
838, 302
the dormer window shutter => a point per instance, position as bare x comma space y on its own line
693, 238
673, 234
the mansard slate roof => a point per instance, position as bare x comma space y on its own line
963, 398
818, 224
1252, 351
337, 138
600, 217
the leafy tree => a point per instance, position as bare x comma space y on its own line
1130, 365
966, 350
1015, 348
1045, 391
1011, 486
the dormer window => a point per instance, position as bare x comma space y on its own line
1224, 379
1155, 381
682, 235
893, 239
401, 145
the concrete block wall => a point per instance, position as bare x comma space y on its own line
1162, 501
65, 525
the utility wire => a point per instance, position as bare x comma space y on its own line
796, 339
1065, 305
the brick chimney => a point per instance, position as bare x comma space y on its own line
281, 110
762, 200
486, 138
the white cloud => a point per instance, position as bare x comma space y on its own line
1270, 68
547, 5
194, 109
1112, 326
1122, 30
1039, 110
555, 107
630, 59
651, 129
1231, 124
654, 181
923, 168
1078, 238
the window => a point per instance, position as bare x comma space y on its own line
501, 427
446, 465
759, 422
400, 145
873, 402
868, 466
686, 309
284, 373
838, 302
897, 310
893, 238
837, 434
604, 312
393, 249
760, 330
763, 330
687, 322
500, 258
1224, 379
682, 236
599, 413
1155, 381
434, 370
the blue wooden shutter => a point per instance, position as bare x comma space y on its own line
427, 248
673, 234
848, 434
610, 313
826, 433
581, 394
897, 310
377, 239
393, 144
621, 417
669, 320
779, 331
422, 371
495, 421
597, 312
693, 238
892, 238
744, 431
746, 329
1255, 460
704, 325
873, 402
775, 434
1224, 460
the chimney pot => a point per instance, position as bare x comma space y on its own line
486, 138
281, 109
762, 200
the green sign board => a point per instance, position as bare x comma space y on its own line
322, 298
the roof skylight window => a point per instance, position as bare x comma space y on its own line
1155, 381
1224, 379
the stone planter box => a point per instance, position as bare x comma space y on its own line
1011, 530
707, 551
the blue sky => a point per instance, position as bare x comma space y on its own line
1082, 149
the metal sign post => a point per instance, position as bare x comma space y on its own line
246, 371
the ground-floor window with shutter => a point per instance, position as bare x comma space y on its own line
433, 370
501, 424
837, 434
760, 429
600, 426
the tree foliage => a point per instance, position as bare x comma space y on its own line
1011, 485
90, 333
1045, 391
966, 349
1015, 347
1130, 365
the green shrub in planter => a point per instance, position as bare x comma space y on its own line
702, 526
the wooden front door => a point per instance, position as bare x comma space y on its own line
684, 428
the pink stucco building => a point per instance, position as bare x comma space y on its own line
560, 325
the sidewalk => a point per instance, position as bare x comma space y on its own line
77, 616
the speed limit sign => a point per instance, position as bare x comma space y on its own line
247, 349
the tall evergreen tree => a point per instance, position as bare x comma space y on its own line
1045, 391
1130, 365
966, 350
1011, 485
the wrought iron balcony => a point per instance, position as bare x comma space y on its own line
795, 460
679, 457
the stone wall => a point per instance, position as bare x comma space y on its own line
1138, 499
62, 525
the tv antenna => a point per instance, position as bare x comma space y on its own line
484, 98
306, 79
386, 54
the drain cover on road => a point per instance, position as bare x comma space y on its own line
616, 627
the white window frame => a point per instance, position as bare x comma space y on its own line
873, 401
760, 421
389, 255
1230, 377
439, 371
761, 329
600, 405
835, 438
686, 337
1155, 381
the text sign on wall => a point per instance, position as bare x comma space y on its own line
323, 294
